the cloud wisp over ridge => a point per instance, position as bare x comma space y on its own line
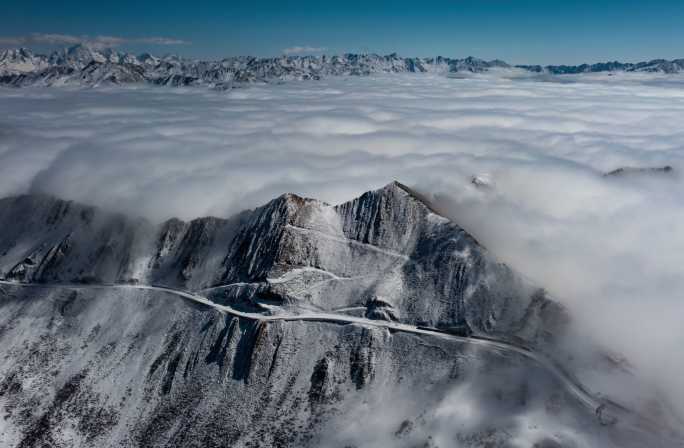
302, 49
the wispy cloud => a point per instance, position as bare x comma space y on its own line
161, 41
303, 49
93, 41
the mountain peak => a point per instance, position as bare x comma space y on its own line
300, 250
289, 204
396, 186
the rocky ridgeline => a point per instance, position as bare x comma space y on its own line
81, 65
387, 252
84, 66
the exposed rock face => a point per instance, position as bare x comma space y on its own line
61, 241
46, 240
629, 171
387, 243
377, 308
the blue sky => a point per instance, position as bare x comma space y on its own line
526, 31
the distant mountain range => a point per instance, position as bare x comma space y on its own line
84, 65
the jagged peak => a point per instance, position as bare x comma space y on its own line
284, 209
412, 194
404, 194
15, 52
293, 201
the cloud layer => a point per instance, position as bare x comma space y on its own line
302, 49
93, 41
611, 248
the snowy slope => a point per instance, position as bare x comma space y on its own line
89, 364
128, 369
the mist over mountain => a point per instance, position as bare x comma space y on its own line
88, 66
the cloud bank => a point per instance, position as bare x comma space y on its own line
99, 42
304, 49
611, 248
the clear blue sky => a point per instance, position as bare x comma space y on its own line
518, 31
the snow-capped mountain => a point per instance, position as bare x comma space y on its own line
654, 66
277, 327
148, 59
21, 60
87, 66
80, 56
77, 57
386, 244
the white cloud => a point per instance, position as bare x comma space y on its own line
161, 41
305, 49
480, 407
612, 249
11, 41
93, 41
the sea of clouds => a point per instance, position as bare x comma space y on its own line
610, 248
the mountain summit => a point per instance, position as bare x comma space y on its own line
387, 243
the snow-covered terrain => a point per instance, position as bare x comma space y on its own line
125, 368
263, 353
82, 65
386, 247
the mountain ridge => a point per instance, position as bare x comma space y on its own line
86, 66
385, 247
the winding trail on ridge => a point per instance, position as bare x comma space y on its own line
606, 411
